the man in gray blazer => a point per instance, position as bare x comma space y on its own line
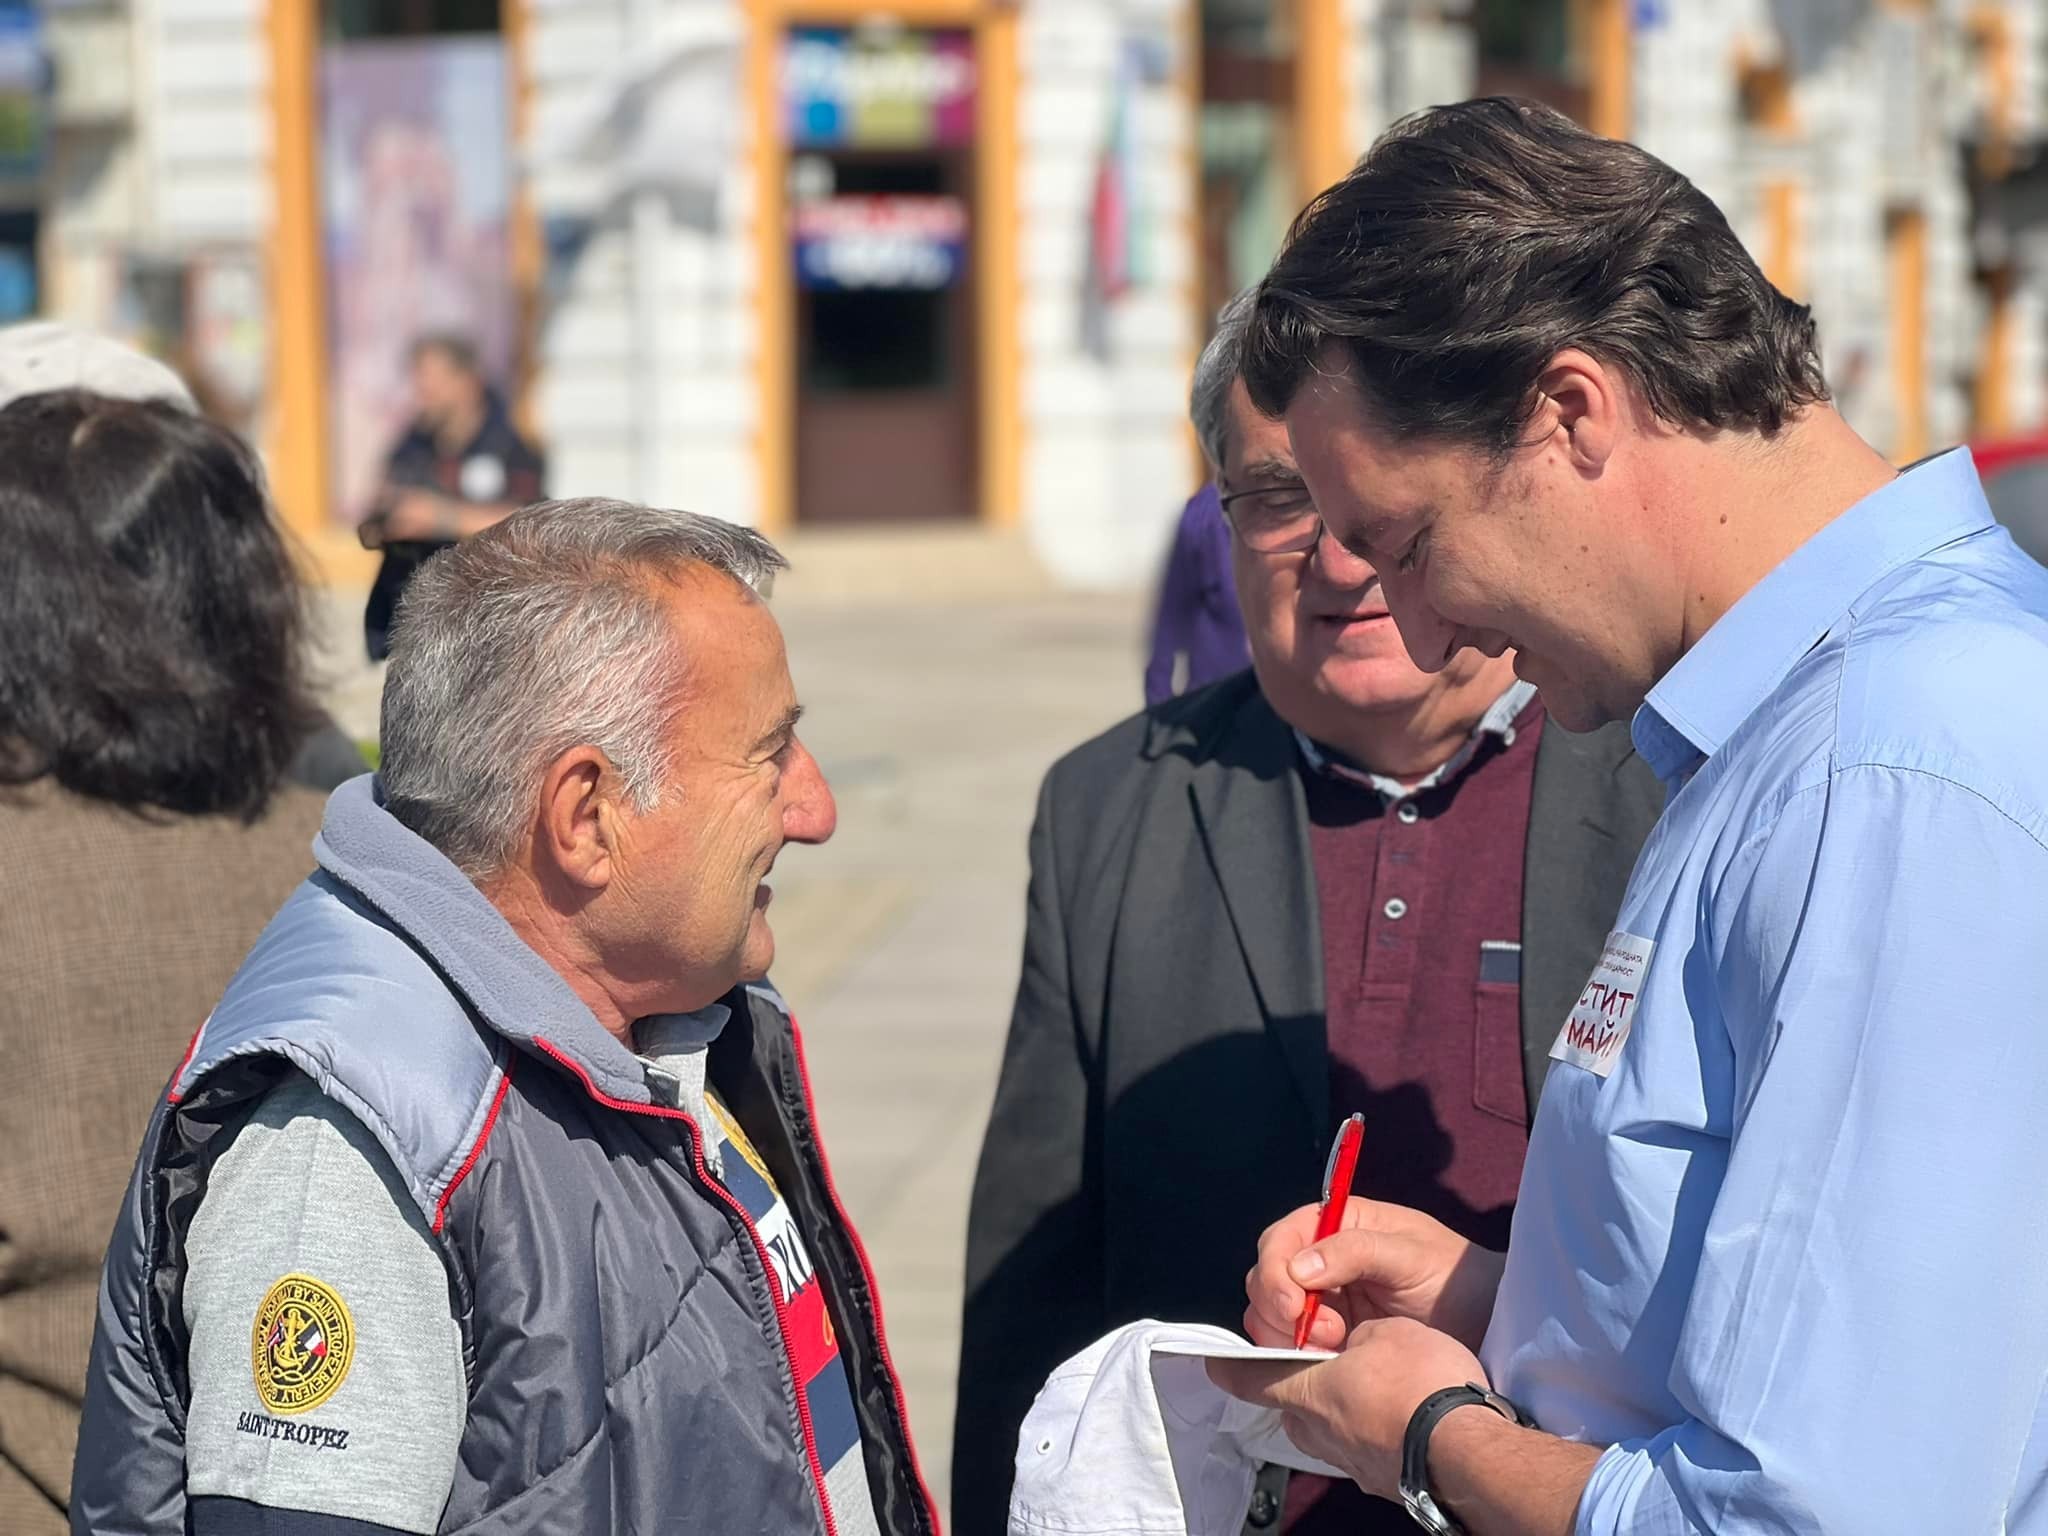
1331, 884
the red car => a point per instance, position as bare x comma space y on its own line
2015, 474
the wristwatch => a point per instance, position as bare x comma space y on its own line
1420, 1503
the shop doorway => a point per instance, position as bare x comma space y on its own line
882, 217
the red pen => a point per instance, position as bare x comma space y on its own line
1337, 1175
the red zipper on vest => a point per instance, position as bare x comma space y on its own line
477, 1151
860, 1252
803, 1405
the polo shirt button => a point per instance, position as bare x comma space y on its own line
1396, 908
1265, 1508
1408, 813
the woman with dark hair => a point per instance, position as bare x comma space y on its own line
152, 705
150, 625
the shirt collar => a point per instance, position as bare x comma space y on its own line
671, 1034
1736, 664
1498, 721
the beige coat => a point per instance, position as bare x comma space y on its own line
117, 935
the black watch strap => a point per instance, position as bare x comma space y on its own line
1421, 1504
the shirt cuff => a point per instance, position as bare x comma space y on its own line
1614, 1501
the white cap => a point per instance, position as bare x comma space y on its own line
38, 356
1131, 1438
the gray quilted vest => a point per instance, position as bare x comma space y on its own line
527, 1139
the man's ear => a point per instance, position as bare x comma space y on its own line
578, 831
1581, 408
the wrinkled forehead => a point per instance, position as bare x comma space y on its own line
734, 661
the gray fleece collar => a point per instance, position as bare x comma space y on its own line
447, 918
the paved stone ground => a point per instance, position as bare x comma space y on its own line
899, 940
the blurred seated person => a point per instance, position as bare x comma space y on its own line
460, 467
152, 709
1332, 883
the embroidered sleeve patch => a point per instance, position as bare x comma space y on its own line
301, 1344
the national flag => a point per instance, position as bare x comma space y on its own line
1109, 207
1113, 212
313, 1341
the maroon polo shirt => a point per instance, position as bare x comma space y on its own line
1421, 908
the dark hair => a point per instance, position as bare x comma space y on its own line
457, 348
1474, 242
150, 618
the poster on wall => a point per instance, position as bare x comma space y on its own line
416, 171
878, 88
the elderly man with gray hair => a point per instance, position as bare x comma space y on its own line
1333, 883
490, 1197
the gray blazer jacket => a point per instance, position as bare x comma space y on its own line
1165, 1091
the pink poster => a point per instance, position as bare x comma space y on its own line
416, 179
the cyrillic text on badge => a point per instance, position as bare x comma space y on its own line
1601, 1019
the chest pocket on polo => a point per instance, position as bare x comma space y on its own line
1497, 1085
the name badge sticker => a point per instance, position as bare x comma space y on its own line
1606, 1010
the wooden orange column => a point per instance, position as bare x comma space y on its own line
1323, 150
774, 298
999, 298
528, 256
1611, 71
295, 413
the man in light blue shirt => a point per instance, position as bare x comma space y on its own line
1780, 1261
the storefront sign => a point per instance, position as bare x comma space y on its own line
881, 242
878, 89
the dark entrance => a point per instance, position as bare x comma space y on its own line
885, 373
882, 188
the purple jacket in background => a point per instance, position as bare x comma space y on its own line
1197, 616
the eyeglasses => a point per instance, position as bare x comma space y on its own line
1274, 519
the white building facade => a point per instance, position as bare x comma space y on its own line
957, 265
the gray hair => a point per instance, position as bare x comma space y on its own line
1209, 400
543, 633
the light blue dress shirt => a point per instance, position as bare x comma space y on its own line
1789, 1260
